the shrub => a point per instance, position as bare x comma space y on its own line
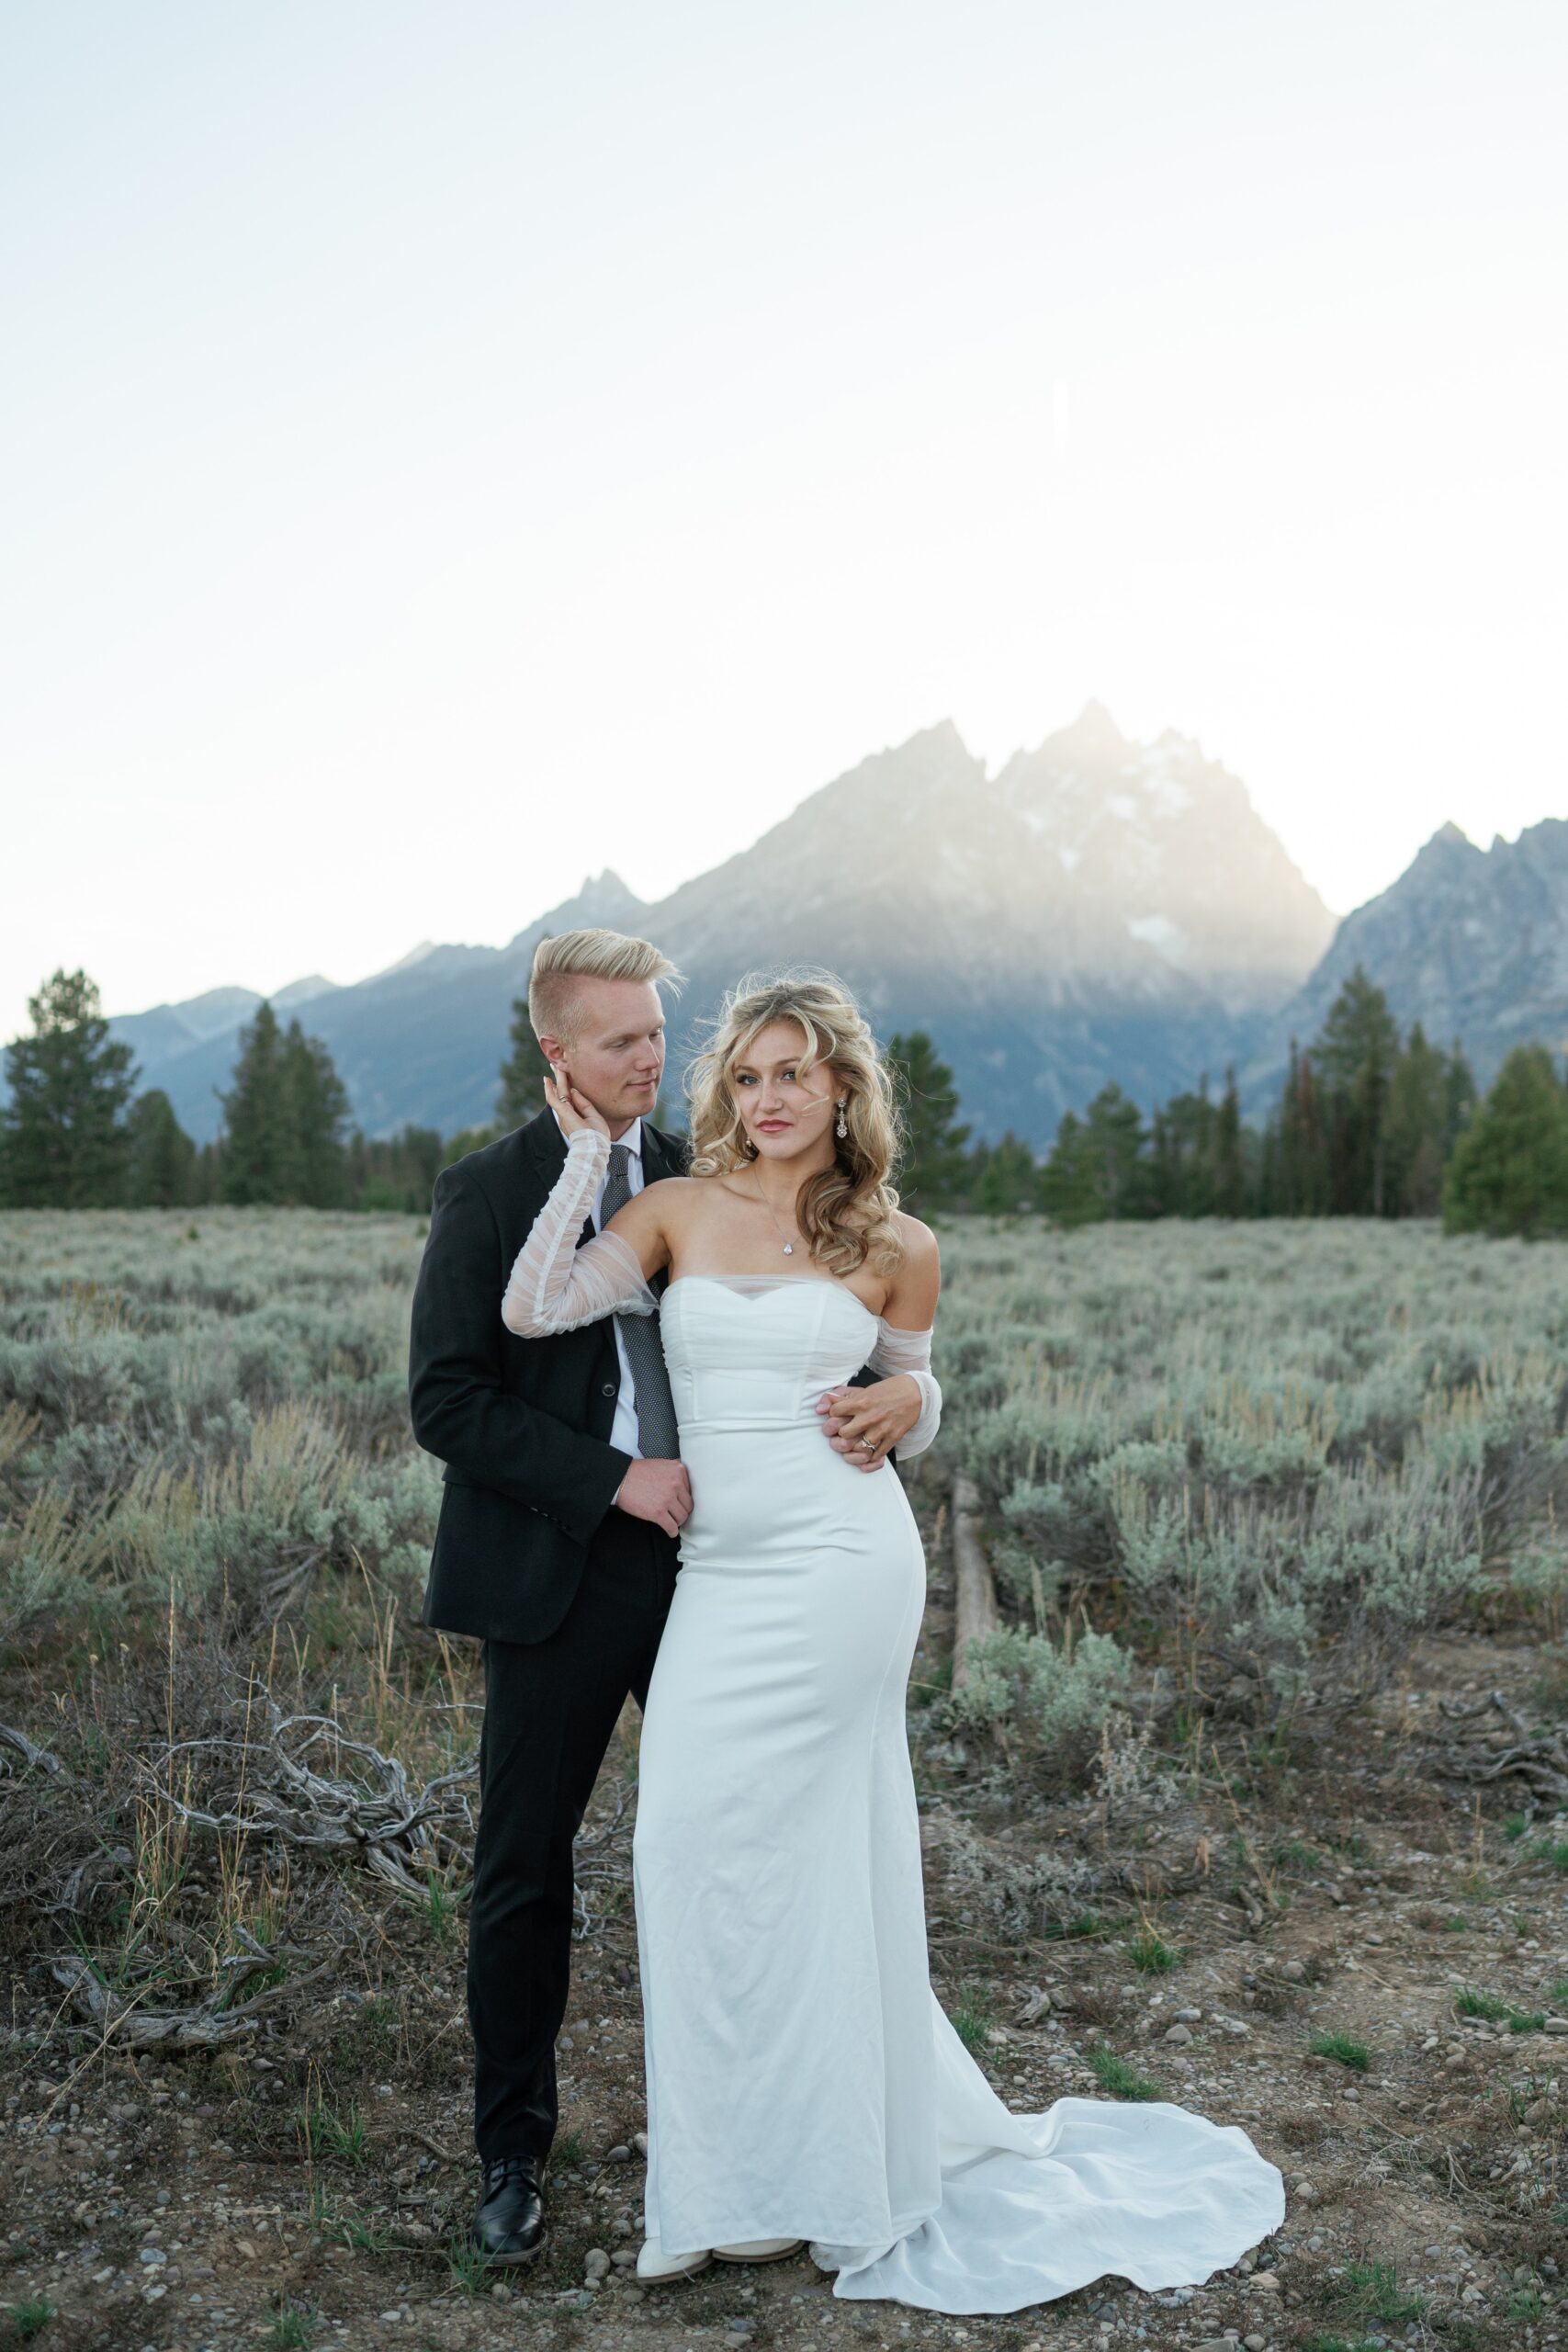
1059, 1702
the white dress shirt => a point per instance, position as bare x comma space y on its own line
624, 1432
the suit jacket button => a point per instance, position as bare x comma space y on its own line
608, 1389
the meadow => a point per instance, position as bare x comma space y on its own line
1257, 1798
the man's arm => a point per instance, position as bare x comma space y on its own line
461, 1412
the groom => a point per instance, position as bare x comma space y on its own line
557, 1540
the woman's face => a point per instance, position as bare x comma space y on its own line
783, 1111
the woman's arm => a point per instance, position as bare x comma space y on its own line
865, 1423
462, 1410
907, 1355
554, 1285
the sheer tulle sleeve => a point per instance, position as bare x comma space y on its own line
911, 1351
554, 1285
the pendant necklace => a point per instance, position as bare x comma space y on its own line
788, 1246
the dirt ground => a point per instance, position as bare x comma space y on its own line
1361, 1883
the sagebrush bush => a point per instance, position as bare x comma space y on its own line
1277, 1451
204, 1405
1061, 1700
1264, 1455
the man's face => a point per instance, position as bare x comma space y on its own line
616, 1058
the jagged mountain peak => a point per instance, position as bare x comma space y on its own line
1472, 942
303, 991
607, 883
1100, 909
406, 962
604, 899
1093, 739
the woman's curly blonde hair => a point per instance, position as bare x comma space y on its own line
845, 1212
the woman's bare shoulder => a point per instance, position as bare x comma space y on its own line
677, 1196
913, 1292
920, 1245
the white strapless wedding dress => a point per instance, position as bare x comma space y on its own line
802, 2079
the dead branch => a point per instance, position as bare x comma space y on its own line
288, 1782
208, 2025
1537, 1758
29, 1751
442, 2155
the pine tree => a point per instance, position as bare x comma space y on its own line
360, 1172
1180, 1172
316, 1113
1008, 1184
207, 1182
1509, 1169
935, 1172
1114, 1132
1355, 1055
397, 1172
1229, 1168
1201, 1164
1067, 1187
1417, 1112
522, 1073
1097, 1166
469, 1140
64, 1141
1459, 1099
258, 1157
285, 1115
1302, 1160
1269, 1195
162, 1157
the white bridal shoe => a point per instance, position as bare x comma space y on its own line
653, 2265
759, 2250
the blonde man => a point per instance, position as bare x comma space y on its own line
557, 1540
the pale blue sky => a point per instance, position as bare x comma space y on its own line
448, 448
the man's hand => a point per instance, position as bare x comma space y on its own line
659, 1492
862, 1423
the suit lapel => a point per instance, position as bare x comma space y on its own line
663, 1155
546, 1149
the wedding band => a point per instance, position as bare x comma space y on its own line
868, 1445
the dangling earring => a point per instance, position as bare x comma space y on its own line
843, 1125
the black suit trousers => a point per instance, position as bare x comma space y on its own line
550, 1710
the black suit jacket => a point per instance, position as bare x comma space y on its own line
522, 1425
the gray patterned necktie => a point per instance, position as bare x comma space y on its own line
657, 1431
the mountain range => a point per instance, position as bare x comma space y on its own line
1097, 908
1472, 943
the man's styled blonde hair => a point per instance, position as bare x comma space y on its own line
554, 997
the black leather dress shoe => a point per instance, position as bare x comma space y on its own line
510, 2219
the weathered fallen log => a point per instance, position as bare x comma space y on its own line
31, 1754
208, 2024
1538, 1759
288, 1783
977, 1613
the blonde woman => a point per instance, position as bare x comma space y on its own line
803, 2084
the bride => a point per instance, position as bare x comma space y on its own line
803, 2083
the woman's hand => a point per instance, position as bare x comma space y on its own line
574, 1110
863, 1423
